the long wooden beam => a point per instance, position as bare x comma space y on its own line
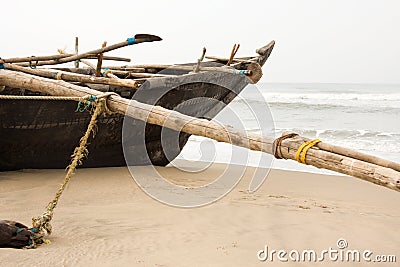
22, 60
74, 77
180, 122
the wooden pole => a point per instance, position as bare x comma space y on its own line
76, 63
360, 156
34, 59
180, 122
74, 77
233, 53
222, 59
139, 38
114, 58
320, 158
197, 67
100, 61
354, 154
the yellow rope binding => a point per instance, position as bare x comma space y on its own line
41, 224
303, 149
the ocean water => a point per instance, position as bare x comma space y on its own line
363, 117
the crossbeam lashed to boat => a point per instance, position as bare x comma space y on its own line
321, 155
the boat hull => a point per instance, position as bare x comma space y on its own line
43, 134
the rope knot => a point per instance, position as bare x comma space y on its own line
40, 228
278, 144
85, 103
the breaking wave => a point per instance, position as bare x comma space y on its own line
388, 102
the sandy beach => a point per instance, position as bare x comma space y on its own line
105, 219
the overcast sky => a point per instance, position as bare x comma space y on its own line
340, 41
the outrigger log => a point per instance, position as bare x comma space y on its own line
289, 146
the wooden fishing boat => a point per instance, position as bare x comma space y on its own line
43, 133
40, 131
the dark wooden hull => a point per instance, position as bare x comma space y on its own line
43, 134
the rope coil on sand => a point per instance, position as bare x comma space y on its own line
41, 224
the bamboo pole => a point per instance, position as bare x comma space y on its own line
22, 60
157, 115
74, 77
